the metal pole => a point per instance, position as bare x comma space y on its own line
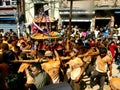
70, 18
18, 24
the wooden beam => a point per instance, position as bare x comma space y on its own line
24, 61
37, 60
26, 51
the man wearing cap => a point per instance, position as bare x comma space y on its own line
52, 66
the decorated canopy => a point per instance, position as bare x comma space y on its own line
41, 28
43, 19
51, 35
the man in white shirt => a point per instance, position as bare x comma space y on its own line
96, 32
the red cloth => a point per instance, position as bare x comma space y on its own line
112, 48
93, 43
34, 28
43, 47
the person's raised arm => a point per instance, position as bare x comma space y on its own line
81, 55
95, 51
67, 45
56, 55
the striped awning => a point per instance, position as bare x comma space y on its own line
43, 19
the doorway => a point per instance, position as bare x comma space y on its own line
117, 19
81, 25
102, 22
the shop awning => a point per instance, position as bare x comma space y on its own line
7, 12
77, 20
7, 18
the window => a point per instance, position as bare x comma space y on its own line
39, 9
7, 3
14, 2
1, 3
7, 21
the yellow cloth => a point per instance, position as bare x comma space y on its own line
75, 73
23, 66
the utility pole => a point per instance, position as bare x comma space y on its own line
70, 16
18, 12
68, 32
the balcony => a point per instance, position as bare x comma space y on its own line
106, 4
83, 5
92, 5
8, 4
76, 11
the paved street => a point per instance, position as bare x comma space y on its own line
106, 87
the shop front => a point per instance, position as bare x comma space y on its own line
81, 18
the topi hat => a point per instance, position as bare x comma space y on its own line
48, 53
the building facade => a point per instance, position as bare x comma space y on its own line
91, 13
82, 13
8, 14
87, 14
11, 13
33, 8
107, 12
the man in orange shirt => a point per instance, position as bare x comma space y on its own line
103, 62
52, 66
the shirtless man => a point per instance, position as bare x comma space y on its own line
52, 66
88, 59
103, 62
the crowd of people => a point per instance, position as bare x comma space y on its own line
66, 59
